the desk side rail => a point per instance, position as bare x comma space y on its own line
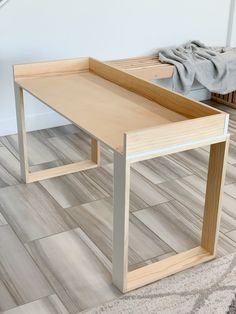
175, 137
50, 68
168, 99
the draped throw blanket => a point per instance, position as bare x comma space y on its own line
213, 67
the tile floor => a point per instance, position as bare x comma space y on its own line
56, 234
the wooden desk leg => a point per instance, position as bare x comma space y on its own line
120, 221
28, 176
125, 280
22, 142
95, 151
213, 201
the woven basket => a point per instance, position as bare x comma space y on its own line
228, 99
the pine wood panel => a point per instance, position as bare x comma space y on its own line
50, 68
213, 203
166, 98
97, 105
148, 68
174, 134
169, 266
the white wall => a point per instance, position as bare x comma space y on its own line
45, 30
233, 36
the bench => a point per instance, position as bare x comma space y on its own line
150, 68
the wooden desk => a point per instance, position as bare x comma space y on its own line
138, 120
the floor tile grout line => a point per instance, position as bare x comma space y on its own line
153, 207
31, 257
38, 299
48, 236
168, 180
226, 233
35, 261
45, 277
83, 231
153, 231
182, 203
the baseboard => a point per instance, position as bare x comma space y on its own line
33, 122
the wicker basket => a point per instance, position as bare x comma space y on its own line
228, 99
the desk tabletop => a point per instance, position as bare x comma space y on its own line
118, 108
100, 107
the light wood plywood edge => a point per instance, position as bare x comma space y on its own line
169, 99
60, 170
166, 267
146, 141
50, 68
214, 193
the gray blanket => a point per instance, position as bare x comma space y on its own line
213, 67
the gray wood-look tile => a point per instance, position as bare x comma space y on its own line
2, 220
96, 220
9, 168
229, 202
190, 191
83, 141
38, 151
175, 224
75, 147
232, 122
5, 178
66, 149
179, 227
161, 169
32, 212
73, 189
225, 245
232, 235
76, 274
48, 165
145, 189
197, 162
104, 178
232, 150
152, 260
57, 131
20, 275
231, 190
6, 299
48, 305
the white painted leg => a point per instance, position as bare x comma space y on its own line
120, 221
19, 99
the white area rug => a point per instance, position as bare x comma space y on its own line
206, 289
